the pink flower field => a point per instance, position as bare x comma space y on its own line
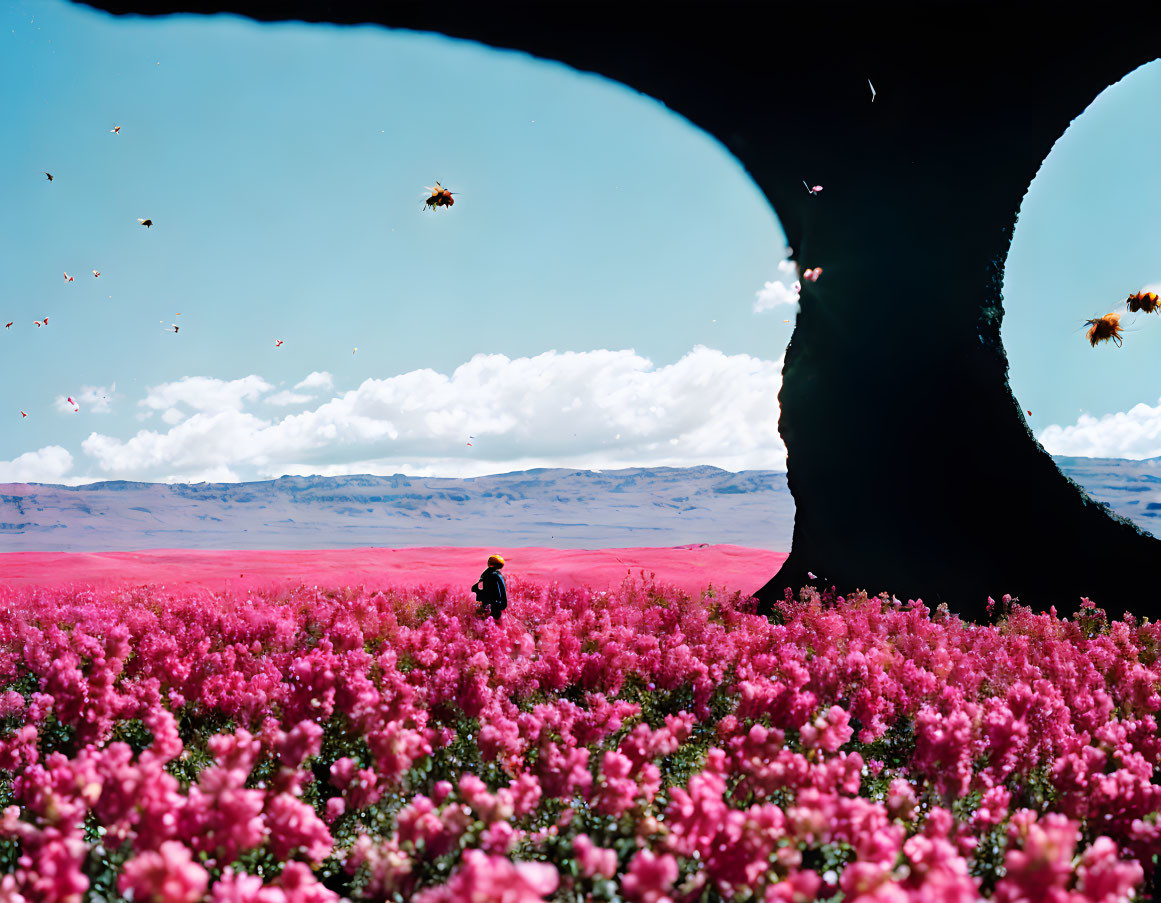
689, 567
642, 743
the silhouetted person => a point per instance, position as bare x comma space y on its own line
490, 590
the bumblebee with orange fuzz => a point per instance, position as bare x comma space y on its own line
1104, 328
1144, 302
440, 197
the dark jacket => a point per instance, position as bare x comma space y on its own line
492, 591
494, 588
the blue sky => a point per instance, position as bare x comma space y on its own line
610, 288
1089, 235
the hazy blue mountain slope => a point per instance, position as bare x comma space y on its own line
559, 508
545, 507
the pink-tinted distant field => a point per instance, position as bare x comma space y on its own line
689, 568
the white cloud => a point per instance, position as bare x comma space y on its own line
781, 291
596, 409
46, 465
203, 393
319, 379
96, 399
286, 397
91, 400
1135, 434
1154, 287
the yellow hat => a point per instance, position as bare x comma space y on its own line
495, 561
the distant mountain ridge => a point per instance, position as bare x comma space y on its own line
551, 507
1131, 489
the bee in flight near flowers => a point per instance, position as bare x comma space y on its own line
1104, 328
1145, 302
440, 197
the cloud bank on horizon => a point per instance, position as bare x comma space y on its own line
594, 410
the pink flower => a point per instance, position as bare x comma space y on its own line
1103, 877
299, 885
243, 888
901, 800
294, 826
993, 807
799, 887
493, 878
649, 878
594, 860
168, 875
1042, 868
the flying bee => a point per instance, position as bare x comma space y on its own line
1104, 328
440, 197
1145, 302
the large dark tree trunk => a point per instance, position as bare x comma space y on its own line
911, 468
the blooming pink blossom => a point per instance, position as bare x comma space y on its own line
168, 875
649, 878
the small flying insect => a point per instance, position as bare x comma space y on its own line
812, 275
68, 278
116, 130
8, 325
145, 222
1144, 302
813, 191
23, 415
1104, 328
96, 273
278, 343
49, 174
440, 197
